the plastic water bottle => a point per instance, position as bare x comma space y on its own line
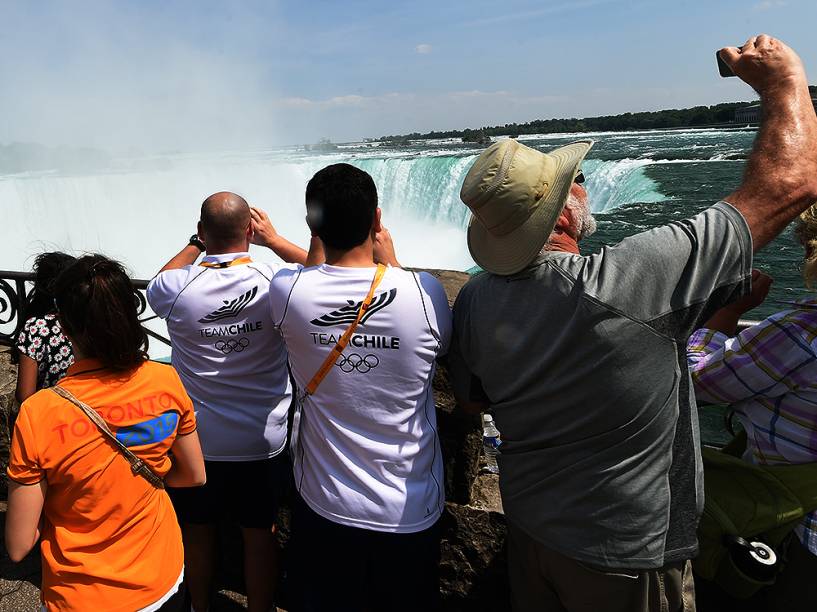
490, 443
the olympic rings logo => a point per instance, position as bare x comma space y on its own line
353, 361
232, 345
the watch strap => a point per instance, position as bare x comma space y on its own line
196, 242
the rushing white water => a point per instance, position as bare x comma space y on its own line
611, 184
142, 215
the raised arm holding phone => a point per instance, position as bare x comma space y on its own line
600, 468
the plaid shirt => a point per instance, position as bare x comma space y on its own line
768, 373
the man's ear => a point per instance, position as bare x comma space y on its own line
568, 222
200, 231
311, 231
376, 225
565, 219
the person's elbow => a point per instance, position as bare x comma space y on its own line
198, 479
186, 479
18, 547
22, 395
194, 481
17, 554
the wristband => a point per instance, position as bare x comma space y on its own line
196, 242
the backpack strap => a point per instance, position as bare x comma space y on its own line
342, 343
137, 465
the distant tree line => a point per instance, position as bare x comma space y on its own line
674, 118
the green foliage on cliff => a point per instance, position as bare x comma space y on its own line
673, 118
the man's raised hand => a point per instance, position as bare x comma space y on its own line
264, 233
765, 63
384, 248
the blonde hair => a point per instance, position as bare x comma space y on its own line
806, 232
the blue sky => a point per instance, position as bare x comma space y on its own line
156, 75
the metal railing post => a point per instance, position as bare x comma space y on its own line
13, 294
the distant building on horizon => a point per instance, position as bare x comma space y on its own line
748, 114
751, 114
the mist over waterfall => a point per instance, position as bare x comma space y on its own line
142, 211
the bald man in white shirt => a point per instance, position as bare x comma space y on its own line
233, 365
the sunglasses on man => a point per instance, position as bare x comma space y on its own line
579, 178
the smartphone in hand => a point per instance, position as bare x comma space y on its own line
723, 67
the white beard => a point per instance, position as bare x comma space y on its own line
586, 222
589, 225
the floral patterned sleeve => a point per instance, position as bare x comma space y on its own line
42, 340
30, 342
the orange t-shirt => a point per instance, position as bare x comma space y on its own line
110, 539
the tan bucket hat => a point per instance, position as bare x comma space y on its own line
516, 195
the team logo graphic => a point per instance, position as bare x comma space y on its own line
231, 308
232, 345
352, 362
348, 314
148, 432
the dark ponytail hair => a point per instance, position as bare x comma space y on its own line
97, 307
47, 267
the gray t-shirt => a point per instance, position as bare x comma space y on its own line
583, 361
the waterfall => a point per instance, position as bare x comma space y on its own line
142, 211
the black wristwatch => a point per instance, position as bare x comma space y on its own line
196, 242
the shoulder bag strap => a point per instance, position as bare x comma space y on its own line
336, 351
137, 466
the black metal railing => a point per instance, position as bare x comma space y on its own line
15, 287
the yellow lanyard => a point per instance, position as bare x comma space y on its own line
333, 355
226, 264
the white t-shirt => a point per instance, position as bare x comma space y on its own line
228, 354
365, 451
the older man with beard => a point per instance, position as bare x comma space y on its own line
582, 358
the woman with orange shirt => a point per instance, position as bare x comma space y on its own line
110, 539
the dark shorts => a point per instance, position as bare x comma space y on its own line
340, 569
248, 492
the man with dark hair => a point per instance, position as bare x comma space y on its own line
347, 222
582, 358
233, 365
363, 339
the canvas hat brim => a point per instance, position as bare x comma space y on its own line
511, 252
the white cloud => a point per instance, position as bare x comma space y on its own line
349, 100
423, 49
295, 102
767, 5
